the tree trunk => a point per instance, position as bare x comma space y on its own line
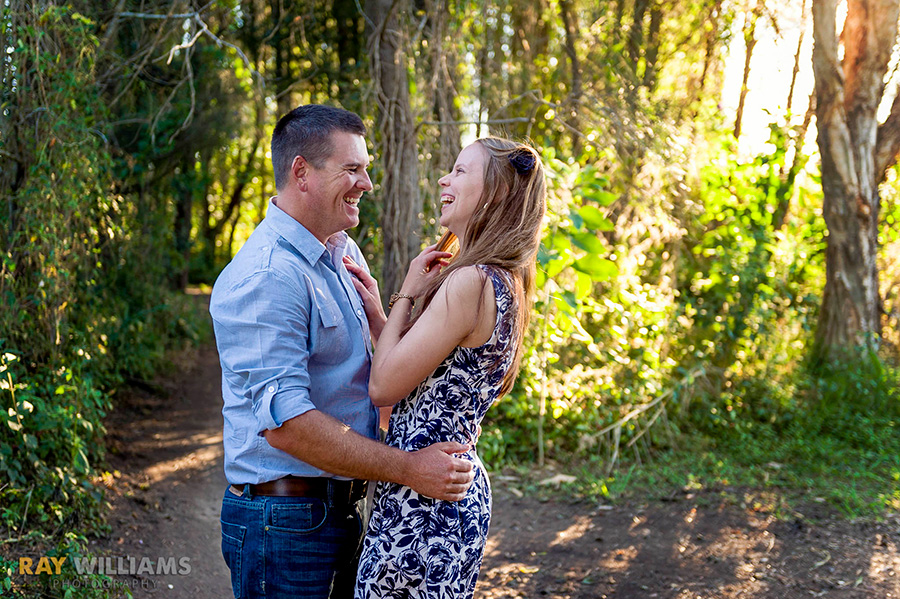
397, 153
444, 64
855, 153
577, 92
750, 44
184, 203
652, 52
636, 35
797, 54
282, 47
483, 68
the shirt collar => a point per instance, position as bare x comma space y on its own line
299, 236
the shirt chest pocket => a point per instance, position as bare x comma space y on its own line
329, 313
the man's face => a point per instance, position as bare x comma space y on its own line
336, 188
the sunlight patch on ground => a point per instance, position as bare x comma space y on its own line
209, 454
176, 438
574, 532
885, 559
620, 560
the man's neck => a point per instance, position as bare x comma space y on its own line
292, 209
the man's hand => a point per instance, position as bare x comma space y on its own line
435, 472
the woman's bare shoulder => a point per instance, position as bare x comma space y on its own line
469, 281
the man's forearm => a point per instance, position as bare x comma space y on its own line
321, 441
330, 445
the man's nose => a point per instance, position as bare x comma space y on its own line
365, 183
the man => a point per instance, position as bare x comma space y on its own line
295, 348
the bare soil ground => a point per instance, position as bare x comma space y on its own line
166, 445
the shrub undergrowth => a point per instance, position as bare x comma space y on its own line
84, 283
692, 373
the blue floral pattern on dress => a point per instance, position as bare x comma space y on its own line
417, 547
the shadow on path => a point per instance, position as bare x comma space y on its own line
710, 545
166, 446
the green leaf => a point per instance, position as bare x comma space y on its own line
82, 465
545, 255
561, 242
589, 242
605, 198
599, 269
594, 218
554, 267
583, 286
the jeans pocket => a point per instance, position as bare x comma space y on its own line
298, 518
232, 548
302, 546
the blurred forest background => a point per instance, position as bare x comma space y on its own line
708, 311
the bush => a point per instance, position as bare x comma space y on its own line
84, 283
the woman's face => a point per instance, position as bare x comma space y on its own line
461, 189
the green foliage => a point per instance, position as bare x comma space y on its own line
841, 448
68, 583
750, 286
709, 378
83, 280
621, 365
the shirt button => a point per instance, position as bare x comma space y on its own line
359, 312
271, 389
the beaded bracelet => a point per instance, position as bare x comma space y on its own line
396, 296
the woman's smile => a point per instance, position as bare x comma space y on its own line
462, 188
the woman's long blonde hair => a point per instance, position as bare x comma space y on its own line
504, 231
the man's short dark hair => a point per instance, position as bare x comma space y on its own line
306, 131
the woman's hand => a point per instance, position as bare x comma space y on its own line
367, 287
423, 269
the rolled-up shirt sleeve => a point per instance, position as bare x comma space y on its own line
265, 320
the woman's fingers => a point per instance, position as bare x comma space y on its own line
355, 268
360, 288
422, 268
366, 285
429, 258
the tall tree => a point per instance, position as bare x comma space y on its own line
856, 151
576, 94
397, 140
749, 32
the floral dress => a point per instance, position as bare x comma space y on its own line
418, 547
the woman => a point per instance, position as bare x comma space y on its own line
450, 348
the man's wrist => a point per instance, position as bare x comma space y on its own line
398, 467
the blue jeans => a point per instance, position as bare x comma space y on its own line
290, 546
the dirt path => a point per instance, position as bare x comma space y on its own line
166, 443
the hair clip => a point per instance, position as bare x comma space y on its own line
522, 160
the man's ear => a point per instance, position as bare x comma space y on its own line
300, 171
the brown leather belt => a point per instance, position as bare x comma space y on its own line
342, 491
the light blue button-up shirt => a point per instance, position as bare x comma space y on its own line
292, 337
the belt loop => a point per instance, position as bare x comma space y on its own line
247, 491
329, 492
